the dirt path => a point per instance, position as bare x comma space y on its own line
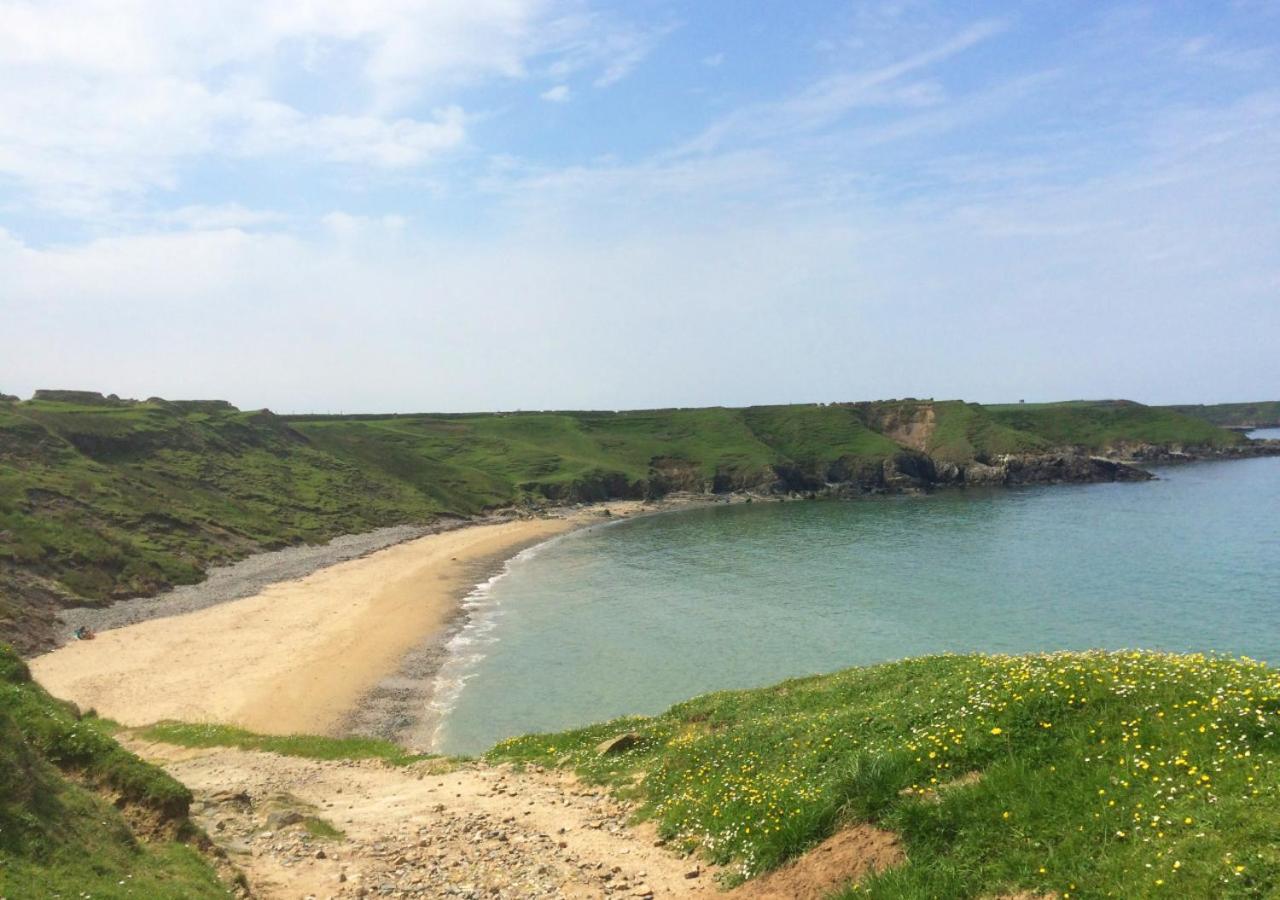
475, 832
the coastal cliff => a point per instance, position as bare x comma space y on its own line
103, 498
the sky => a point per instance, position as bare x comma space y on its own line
449, 205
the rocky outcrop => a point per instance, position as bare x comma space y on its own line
1052, 468
1158, 453
591, 488
915, 472
668, 474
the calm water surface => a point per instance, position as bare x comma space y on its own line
634, 616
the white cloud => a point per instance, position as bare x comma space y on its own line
1067, 288
200, 217
827, 100
275, 129
713, 61
558, 94
100, 99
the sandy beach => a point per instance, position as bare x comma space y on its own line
299, 655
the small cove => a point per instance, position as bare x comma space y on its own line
636, 615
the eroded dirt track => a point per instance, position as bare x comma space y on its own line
474, 832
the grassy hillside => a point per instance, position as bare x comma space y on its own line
1070, 775
102, 498
1264, 413
99, 502
1099, 425
59, 835
951, 430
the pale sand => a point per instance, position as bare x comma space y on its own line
299, 656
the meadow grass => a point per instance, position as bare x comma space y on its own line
1099, 425
304, 745
59, 836
1234, 414
1125, 774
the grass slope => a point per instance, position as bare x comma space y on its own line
959, 431
59, 837
1263, 413
119, 500
303, 745
1101, 774
102, 498
1099, 425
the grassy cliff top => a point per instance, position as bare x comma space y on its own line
1099, 425
60, 835
1262, 413
102, 498
1125, 774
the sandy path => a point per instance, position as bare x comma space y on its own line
478, 831
297, 656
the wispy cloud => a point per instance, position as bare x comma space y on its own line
829, 99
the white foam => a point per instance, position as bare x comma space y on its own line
466, 649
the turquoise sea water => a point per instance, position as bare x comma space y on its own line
634, 616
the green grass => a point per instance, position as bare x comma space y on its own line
304, 745
1104, 424
55, 732
322, 829
58, 833
816, 437
108, 499
1235, 415
1102, 774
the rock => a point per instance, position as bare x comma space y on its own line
283, 818
320, 854
618, 744
693, 873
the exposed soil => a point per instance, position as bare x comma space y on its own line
477, 831
848, 855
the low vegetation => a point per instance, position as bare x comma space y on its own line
1098, 426
1262, 414
63, 782
1071, 775
103, 498
304, 745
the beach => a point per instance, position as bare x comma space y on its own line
299, 655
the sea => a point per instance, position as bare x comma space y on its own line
629, 617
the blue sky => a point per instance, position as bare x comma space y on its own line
499, 204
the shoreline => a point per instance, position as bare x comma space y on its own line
402, 707
319, 654
354, 646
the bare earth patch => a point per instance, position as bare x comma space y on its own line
304, 828
847, 856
